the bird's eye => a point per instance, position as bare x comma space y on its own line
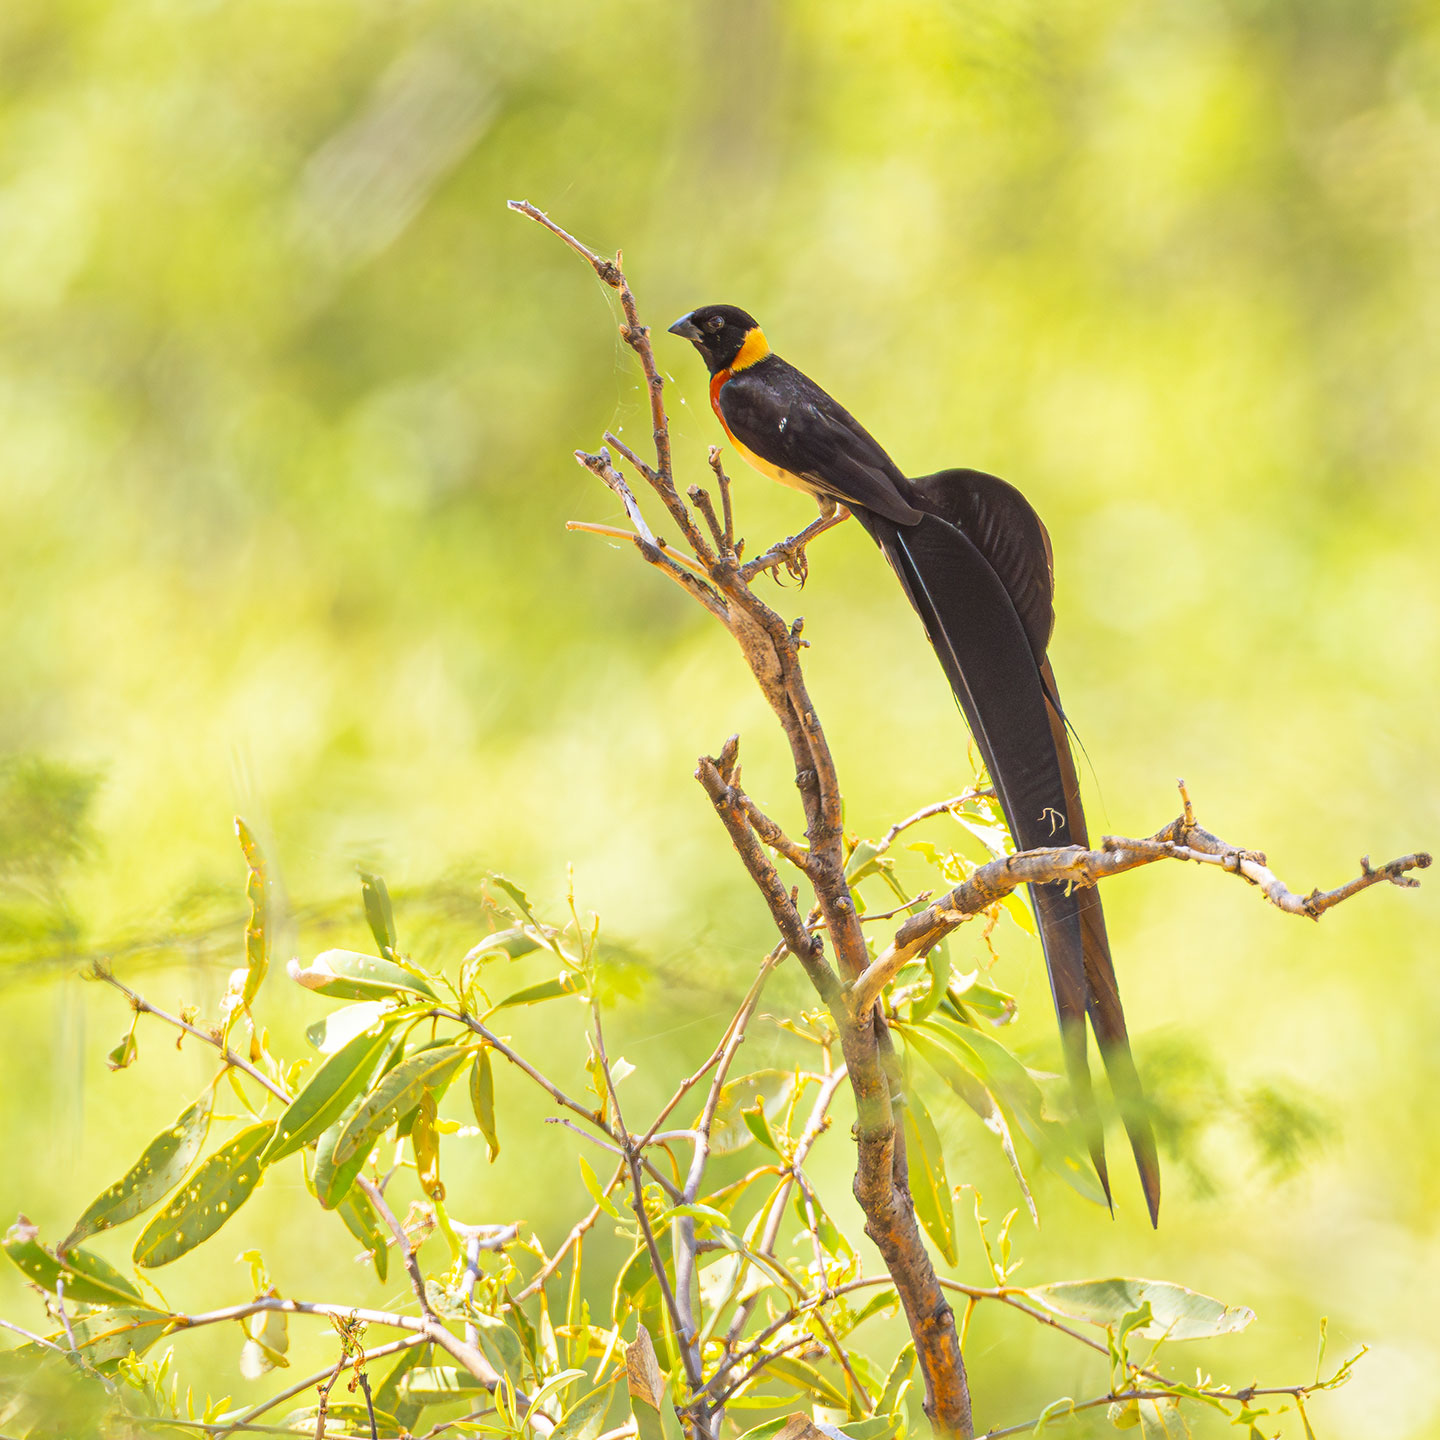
715, 322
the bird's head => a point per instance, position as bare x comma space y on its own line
726, 337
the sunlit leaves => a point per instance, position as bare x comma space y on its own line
209, 1198
965, 1058
336, 1082
349, 975
1175, 1312
80, 1274
806, 1377
397, 1093
161, 1166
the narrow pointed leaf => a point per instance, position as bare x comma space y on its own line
510, 943
325, 1096
106, 1336
257, 892
1175, 1312
482, 1100
86, 1277
566, 983
929, 1186
209, 1198
349, 975
159, 1169
585, 1418
363, 1223
379, 913
396, 1094
435, 1384
332, 1181
807, 1377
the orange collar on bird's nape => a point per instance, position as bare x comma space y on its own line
754, 347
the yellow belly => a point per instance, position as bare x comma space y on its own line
773, 472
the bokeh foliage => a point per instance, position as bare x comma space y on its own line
285, 404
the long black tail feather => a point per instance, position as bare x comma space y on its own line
1012, 709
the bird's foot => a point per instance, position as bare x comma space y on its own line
790, 552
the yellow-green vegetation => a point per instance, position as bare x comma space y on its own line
286, 401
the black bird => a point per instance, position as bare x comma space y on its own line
975, 562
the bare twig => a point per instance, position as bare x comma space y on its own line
723, 481
1076, 865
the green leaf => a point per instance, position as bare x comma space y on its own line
770, 1088
995, 1005
329, 1091
349, 975
900, 1372
396, 1094
363, 1223
585, 1418
1176, 1313
211, 1196
107, 1336
981, 1057
1160, 1420
807, 1377
554, 1383
159, 1169
482, 1100
379, 913
387, 1397
332, 1181
500, 1344
1053, 1411
929, 1186
876, 1427
353, 1416
518, 896
937, 962
341, 1026
597, 1191
435, 1384
85, 1276
510, 943
757, 1124
566, 983
125, 1053
861, 861
882, 1299
257, 892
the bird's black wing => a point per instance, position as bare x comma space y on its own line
1003, 526
788, 421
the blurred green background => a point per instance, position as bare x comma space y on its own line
287, 401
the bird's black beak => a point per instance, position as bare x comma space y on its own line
686, 328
